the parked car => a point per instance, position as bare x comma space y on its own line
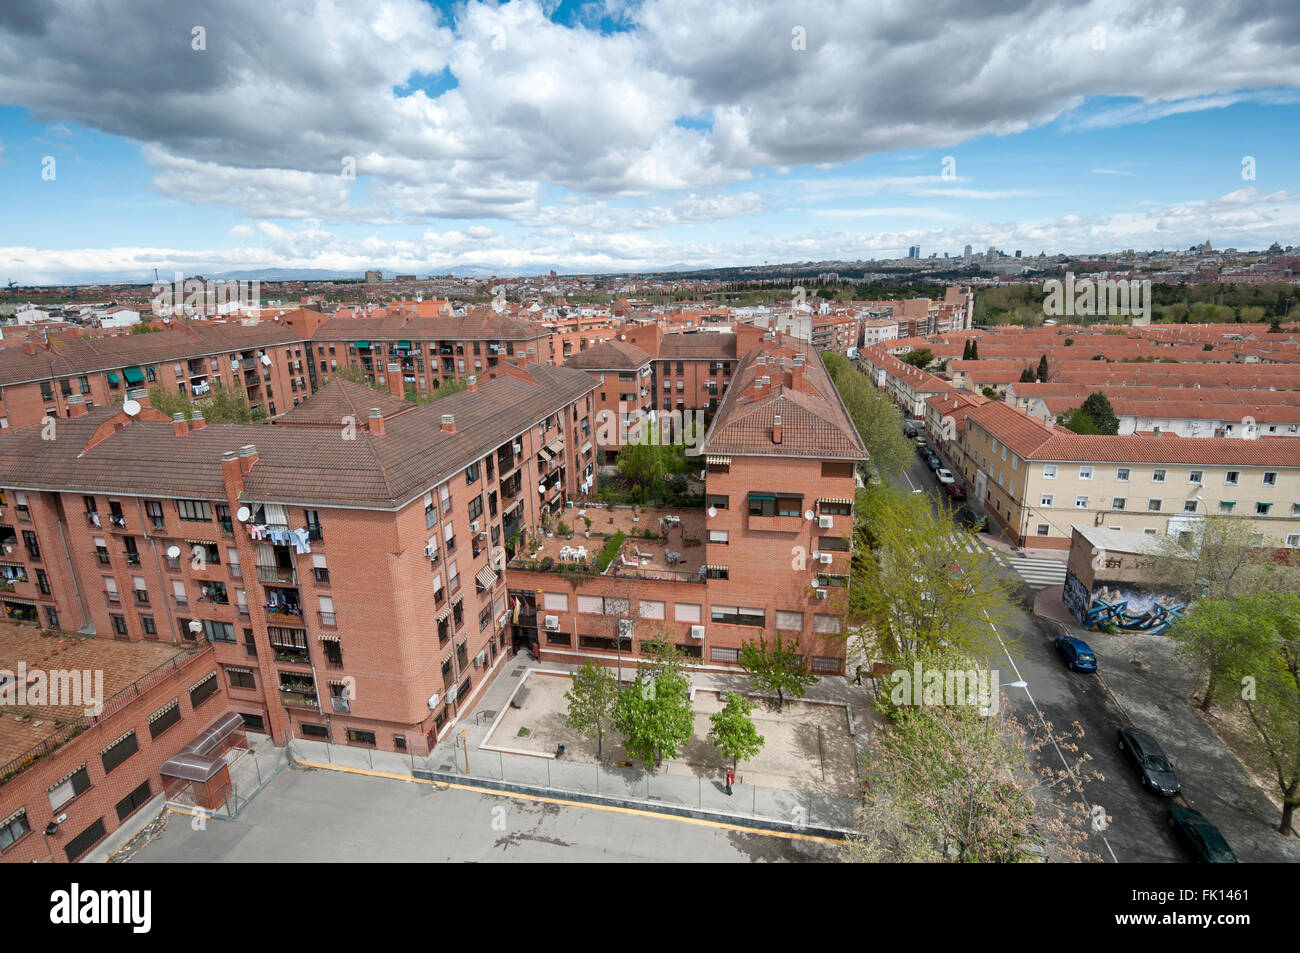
1148, 760
945, 476
933, 462
1202, 837
921, 445
1077, 654
956, 490
909, 430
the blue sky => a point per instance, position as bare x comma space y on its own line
629, 136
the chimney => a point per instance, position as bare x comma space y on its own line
247, 457
776, 428
180, 427
231, 474
521, 359
796, 376
77, 406
395, 384
29, 348
375, 422
196, 420
471, 384
448, 423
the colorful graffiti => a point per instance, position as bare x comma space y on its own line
1125, 609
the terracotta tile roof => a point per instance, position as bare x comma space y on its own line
295, 465
610, 355
709, 346
479, 324
1034, 440
814, 422
340, 398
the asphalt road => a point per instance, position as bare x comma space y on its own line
1136, 829
327, 816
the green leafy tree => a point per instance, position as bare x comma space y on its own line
1098, 407
1027, 376
642, 466
918, 357
874, 415
1214, 634
1043, 370
654, 713
732, 730
1080, 422
226, 406
591, 702
1221, 559
974, 350
780, 668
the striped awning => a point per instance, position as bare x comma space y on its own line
544, 453
836, 500
201, 542
586, 446
21, 602
446, 611
335, 681
718, 461
486, 577
327, 638
239, 668
456, 599
555, 446
716, 568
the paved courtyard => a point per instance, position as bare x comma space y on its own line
807, 746
332, 817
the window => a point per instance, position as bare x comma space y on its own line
686, 612
1121, 474
719, 654
133, 801
1043, 529
738, 615
1045, 499
1119, 502
555, 602
1270, 478
84, 841
1153, 506
835, 544
164, 718
1049, 471
826, 664
1189, 506
1158, 475
315, 731
241, 677
650, 609
114, 754
13, 828
1085, 473
1261, 509
591, 605
789, 621
194, 511
1080, 502
827, 624
1225, 508
1293, 540
1196, 476
471, 476
119, 623
719, 536
1232, 478
202, 691
70, 787
150, 627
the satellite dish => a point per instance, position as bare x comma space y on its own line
541, 488
816, 554
266, 360
713, 511
242, 514
131, 407
816, 583
808, 514
173, 551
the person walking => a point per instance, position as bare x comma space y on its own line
731, 779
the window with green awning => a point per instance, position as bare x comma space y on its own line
133, 375
363, 345
114, 379
404, 345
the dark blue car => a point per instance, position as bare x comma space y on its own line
1077, 653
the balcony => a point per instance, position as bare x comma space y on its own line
775, 524
117, 522
328, 620
92, 518
277, 576
295, 698
102, 557
114, 598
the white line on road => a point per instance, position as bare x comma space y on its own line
1048, 728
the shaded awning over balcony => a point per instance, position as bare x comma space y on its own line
446, 611
836, 500
196, 761
555, 446
486, 577
133, 375
362, 345
718, 461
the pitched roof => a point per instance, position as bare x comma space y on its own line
478, 324
685, 347
341, 398
610, 355
295, 464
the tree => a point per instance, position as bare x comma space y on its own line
946, 784
1098, 407
965, 351
1043, 369
1080, 422
918, 357
223, 405
1269, 680
974, 350
1027, 376
1213, 635
874, 415
781, 670
1221, 559
917, 583
732, 730
654, 712
642, 465
591, 702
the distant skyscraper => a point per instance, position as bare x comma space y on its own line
914, 251
967, 253
1017, 252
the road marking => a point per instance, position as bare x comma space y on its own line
1082, 796
788, 835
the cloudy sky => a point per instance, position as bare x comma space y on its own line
617, 135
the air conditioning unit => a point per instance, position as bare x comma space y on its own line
825, 522
625, 628
431, 550
473, 526
519, 448
827, 559
697, 631
433, 701
481, 659
552, 623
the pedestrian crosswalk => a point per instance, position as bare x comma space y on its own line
1038, 572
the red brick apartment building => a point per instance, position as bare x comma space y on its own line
625, 380
344, 563
776, 536
68, 780
267, 363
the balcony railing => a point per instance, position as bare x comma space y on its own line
275, 576
113, 597
298, 699
328, 619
